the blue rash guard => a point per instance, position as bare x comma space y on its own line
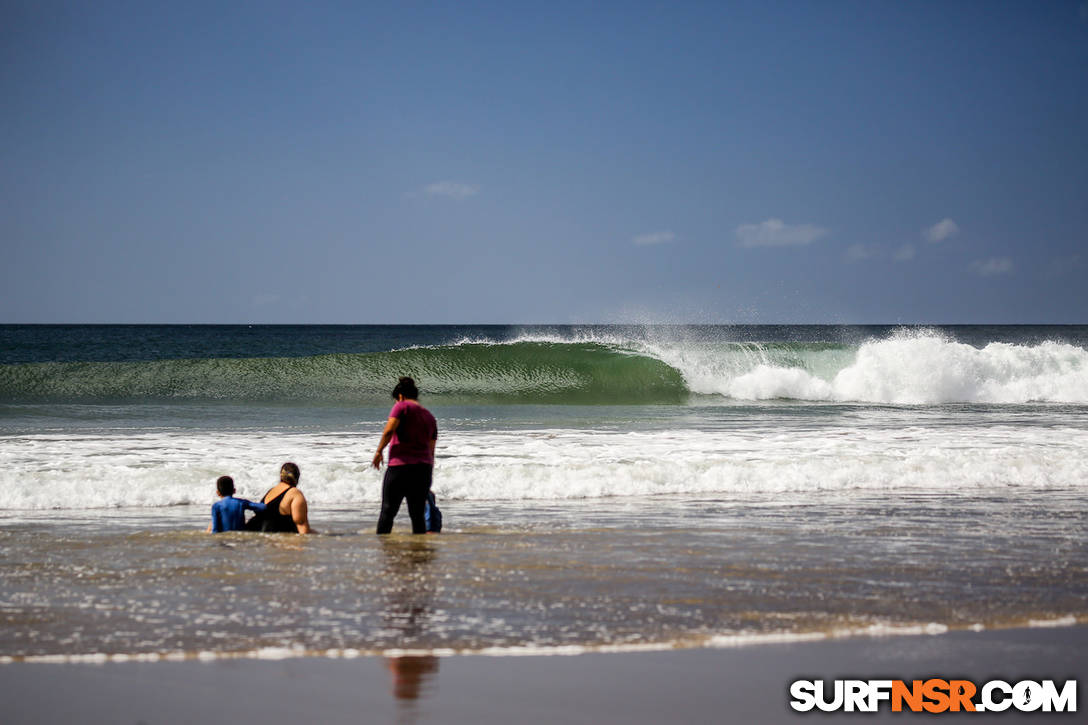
229, 513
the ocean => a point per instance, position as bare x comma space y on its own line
603, 487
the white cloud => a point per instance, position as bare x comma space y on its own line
452, 189
992, 267
646, 240
905, 253
859, 252
775, 233
942, 230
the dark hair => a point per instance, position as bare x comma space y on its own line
224, 485
289, 474
406, 387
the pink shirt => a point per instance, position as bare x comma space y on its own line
411, 442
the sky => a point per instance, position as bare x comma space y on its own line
548, 162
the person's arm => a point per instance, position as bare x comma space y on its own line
254, 505
387, 435
300, 514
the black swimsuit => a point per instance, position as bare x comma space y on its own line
271, 520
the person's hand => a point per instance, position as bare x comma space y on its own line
378, 460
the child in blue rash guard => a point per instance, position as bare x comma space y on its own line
229, 513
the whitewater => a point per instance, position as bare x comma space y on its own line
907, 368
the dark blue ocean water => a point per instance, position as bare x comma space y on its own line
118, 343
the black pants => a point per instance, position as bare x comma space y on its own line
410, 482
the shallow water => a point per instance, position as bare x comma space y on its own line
648, 571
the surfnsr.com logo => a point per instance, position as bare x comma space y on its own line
933, 696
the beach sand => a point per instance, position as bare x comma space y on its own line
743, 684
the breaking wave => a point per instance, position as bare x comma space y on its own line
909, 367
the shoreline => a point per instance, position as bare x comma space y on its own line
712, 642
747, 683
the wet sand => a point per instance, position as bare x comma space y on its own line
747, 684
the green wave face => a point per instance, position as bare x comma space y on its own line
521, 372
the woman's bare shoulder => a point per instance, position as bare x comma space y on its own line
273, 492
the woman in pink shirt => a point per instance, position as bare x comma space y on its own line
411, 433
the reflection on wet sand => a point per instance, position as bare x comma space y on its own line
410, 674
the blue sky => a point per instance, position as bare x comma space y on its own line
566, 162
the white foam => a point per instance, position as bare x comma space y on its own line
278, 653
929, 369
892, 630
1067, 621
747, 640
724, 640
906, 453
910, 367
